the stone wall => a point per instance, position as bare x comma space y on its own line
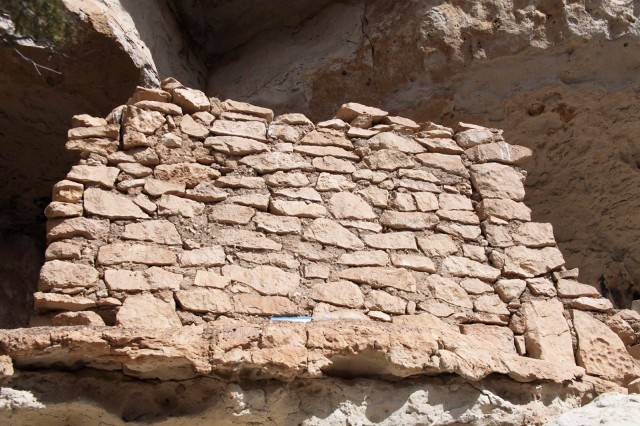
185, 210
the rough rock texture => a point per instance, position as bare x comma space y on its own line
608, 409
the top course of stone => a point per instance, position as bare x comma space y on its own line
188, 210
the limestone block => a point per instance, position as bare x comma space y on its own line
62, 250
390, 140
333, 165
388, 160
116, 253
100, 175
446, 290
58, 274
57, 209
527, 262
500, 338
171, 205
466, 232
245, 129
490, 303
192, 128
204, 300
246, 182
391, 241
156, 231
476, 286
264, 305
379, 277
156, 187
503, 209
345, 205
111, 205
145, 156
100, 146
245, 108
473, 137
408, 220
462, 267
145, 204
203, 257
426, 201
541, 287
277, 224
67, 191
307, 194
509, 290
364, 258
235, 145
282, 179
493, 180
370, 175
533, 234
322, 151
266, 280
327, 137
378, 300
449, 163
146, 122
326, 231
166, 108
349, 111
340, 293
547, 333
403, 202
499, 152
297, 208
414, 262
111, 131
245, 239
440, 145
147, 311
91, 229
191, 100
61, 302
572, 289
85, 120
460, 216
211, 279
84, 318
231, 214
454, 202
190, 174
276, 161
281, 260
437, 245
592, 304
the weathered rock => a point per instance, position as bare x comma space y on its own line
192, 128
440, 145
437, 245
475, 286
323, 151
345, 205
533, 234
259, 201
61, 302
414, 262
231, 214
277, 224
206, 192
245, 129
326, 231
390, 140
541, 287
503, 209
449, 163
111, 205
308, 194
391, 241
509, 290
67, 191
116, 253
100, 175
333, 165
462, 267
210, 279
266, 280
147, 310
264, 305
408, 220
246, 239
157, 231
246, 108
499, 152
490, 303
499, 337
57, 209
247, 182
281, 179
379, 277
472, 137
445, 290
547, 334
204, 300
276, 161
426, 201
350, 111
62, 250
159, 106
609, 409
378, 300
365, 258
389, 160
111, 131
570, 288
297, 208
57, 274
591, 304
144, 122
190, 174
85, 318
340, 293
203, 257
494, 180
91, 229
156, 188
170, 205
327, 138
460, 216
526, 262
191, 100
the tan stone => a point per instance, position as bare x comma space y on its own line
145, 156
389, 160
533, 234
490, 303
440, 145
437, 245
340, 293
327, 137
326, 231
445, 290
467, 232
414, 262
134, 169
162, 107
91, 229
454, 202
361, 224
436, 307
204, 300
322, 151
462, 267
379, 277
111, 131
316, 270
60, 209
408, 220
235, 145
157, 231
202, 257
145, 204
247, 182
116, 253
570, 288
245, 129
526, 262
62, 250
375, 196
210, 279
61, 302
277, 224
592, 304
391, 241
416, 185
206, 192
192, 128
231, 214
156, 188
146, 122
601, 352
547, 333
246, 108
473, 137
286, 180
345, 205
147, 311
258, 201
100, 146
622, 323
509, 290
426, 201
264, 305
281, 260
124, 280
333, 165
297, 208
85, 120
382, 301
58, 274
449, 163
266, 280
191, 100
171, 205
403, 202
390, 140
503, 209
85, 318
474, 252
276, 161
350, 111
370, 175
498, 235
475, 286
308, 194
100, 175
364, 258
111, 205
246, 239
67, 191
493, 180
500, 338
541, 287
190, 174
499, 152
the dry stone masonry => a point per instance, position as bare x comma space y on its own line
188, 211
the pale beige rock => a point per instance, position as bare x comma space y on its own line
403, 202
327, 137
308, 194
266, 280
191, 100
349, 111
335, 124
116, 253
61, 302
547, 334
340, 293
377, 315
231, 214
134, 169
401, 122
454, 202
285, 180
416, 185
246, 239
99, 146
243, 107
475, 286
494, 180
509, 290
316, 270
235, 145
245, 129
156, 188
527, 262
389, 160
473, 252
297, 208
498, 235
414, 262
62, 250
203, 257
192, 128
467, 232
190, 174
281, 260
503, 209
59, 209
391, 241
331, 182
541, 287
146, 122
248, 182
143, 155
462, 267
322, 151
570, 288
84, 318
491, 304
460, 216
91, 229
276, 161
378, 300
85, 120
100, 175
259, 201
204, 300
211, 279
370, 175
345, 205
390, 140
408, 220
379, 277
445, 290
147, 310
449, 163
437, 245
440, 145
499, 152
111, 205
171, 205
500, 338
365, 258
206, 192
264, 305
472, 137
426, 201
436, 307
361, 224
162, 107
533, 234
145, 204
124, 280
111, 131
288, 133
333, 165
161, 279
592, 304
601, 352
67, 191
277, 224
58, 274
157, 231
326, 231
